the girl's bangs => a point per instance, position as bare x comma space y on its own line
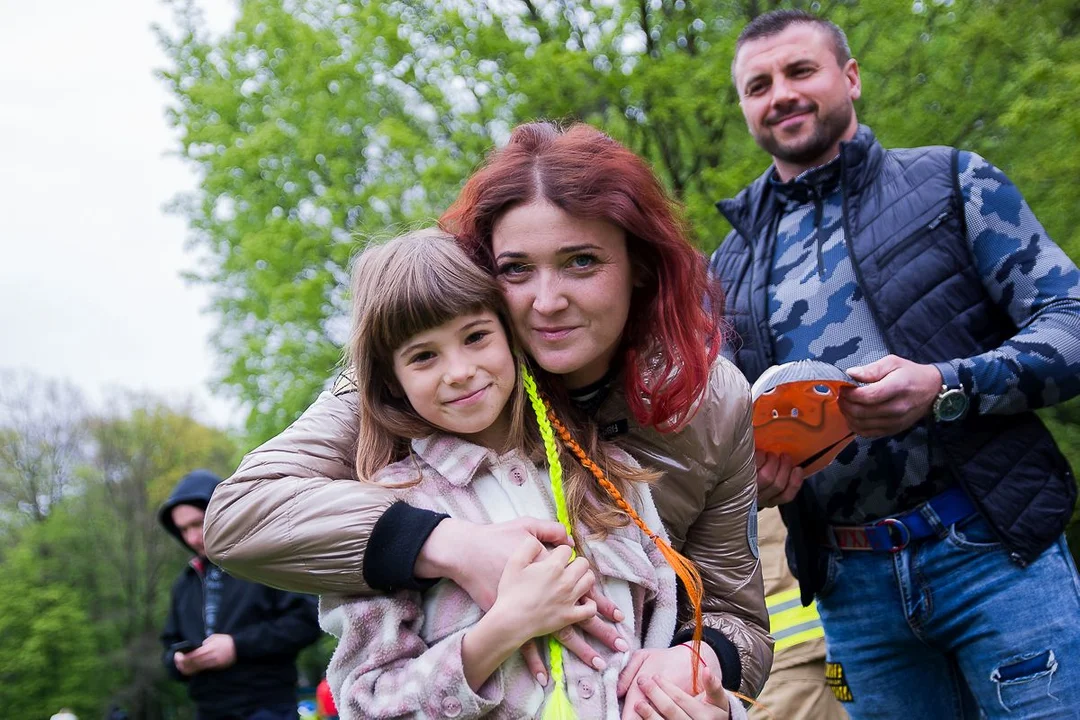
429, 292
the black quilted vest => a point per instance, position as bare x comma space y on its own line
904, 228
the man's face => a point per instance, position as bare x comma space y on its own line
189, 521
796, 98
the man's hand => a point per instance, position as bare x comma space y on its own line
898, 394
778, 479
184, 665
474, 556
675, 665
216, 653
665, 700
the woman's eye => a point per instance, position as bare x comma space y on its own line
581, 262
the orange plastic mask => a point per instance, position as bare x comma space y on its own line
796, 413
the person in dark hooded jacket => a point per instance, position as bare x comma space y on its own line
233, 642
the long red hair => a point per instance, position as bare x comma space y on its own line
673, 332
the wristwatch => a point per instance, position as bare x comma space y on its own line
952, 402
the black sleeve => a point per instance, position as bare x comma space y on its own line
295, 626
170, 638
726, 652
395, 545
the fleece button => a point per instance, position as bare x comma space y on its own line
585, 689
518, 476
451, 707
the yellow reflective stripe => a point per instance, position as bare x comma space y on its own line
781, 597
800, 634
802, 637
791, 622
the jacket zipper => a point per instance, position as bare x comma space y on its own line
764, 339
855, 265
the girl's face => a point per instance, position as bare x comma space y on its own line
459, 377
568, 282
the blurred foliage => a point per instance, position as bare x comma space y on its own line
88, 574
315, 124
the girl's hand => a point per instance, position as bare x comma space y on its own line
675, 665
540, 595
664, 699
474, 557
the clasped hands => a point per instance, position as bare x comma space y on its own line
656, 683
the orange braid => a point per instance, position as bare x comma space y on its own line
684, 569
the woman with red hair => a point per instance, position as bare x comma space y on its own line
607, 295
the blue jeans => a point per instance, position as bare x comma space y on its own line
950, 628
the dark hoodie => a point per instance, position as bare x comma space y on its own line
194, 489
269, 627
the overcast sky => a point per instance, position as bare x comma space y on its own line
89, 261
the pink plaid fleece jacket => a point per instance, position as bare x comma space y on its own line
400, 655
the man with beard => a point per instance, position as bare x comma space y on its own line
933, 543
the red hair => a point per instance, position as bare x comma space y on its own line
673, 332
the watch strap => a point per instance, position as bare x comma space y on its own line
949, 378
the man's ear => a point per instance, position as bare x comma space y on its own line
851, 70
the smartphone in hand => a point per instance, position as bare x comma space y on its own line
185, 646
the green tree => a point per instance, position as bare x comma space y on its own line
139, 453
315, 124
49, 656
89, 583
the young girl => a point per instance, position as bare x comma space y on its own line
442, 387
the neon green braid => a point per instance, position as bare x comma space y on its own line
558, 706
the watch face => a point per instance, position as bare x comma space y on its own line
951, 405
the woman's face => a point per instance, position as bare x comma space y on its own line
568, 282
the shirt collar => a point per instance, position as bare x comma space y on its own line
455, 459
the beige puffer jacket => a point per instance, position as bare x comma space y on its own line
294, 516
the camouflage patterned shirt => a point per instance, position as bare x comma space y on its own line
816, 310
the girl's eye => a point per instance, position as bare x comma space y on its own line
421, 357
582, 262
477, 336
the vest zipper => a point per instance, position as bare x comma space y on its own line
854, 262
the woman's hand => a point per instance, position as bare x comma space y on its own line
675, 665
778, 478
539, 595
474, 557
664, 699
